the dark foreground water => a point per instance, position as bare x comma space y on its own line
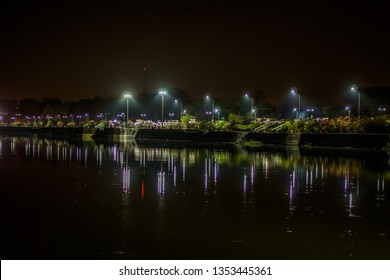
61, 200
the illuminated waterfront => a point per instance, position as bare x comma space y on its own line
87, 200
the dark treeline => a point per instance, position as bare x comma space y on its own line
139, 105
149, 104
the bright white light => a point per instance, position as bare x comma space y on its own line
127, 94
293, 90
354, 88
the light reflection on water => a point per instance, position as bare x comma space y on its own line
256, 204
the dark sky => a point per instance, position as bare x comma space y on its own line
75, 50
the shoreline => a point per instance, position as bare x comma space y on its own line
305, 141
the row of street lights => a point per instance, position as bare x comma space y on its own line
293, 91
161, 92
127, 95
354, 89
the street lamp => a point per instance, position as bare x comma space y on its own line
254, 112
296, 113
294, 91
181, 107
217, 111
171, 115
127, 95
382, 110
247, 96
354, 88
212, 110
162, 92
310, 110
349, 113
208, 113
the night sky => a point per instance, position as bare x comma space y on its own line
75, 50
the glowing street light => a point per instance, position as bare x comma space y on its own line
127, 95
254, 112
162, 92
310, 110
294, 91
296, 113
208, 98
247, 96
354, 88
348, 108
181, 107
382, 110
217, 111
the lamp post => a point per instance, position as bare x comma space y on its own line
354, 88
217, 111
208, 113
294, 91
171, 115
348, 108
127, 95
212, 110
296, 113
254, 112
382, 110
247, 96
181, 107
162, 92
310, 110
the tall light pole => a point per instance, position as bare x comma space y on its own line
247, 96
354, 88
294, 91
212, 111
217, 111
181, 107
162, 92
127, 95
308, 112
296, 113
349, 113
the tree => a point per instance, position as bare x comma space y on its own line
185, 120
235, 119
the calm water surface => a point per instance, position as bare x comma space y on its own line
62, 200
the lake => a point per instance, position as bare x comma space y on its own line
86, 200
